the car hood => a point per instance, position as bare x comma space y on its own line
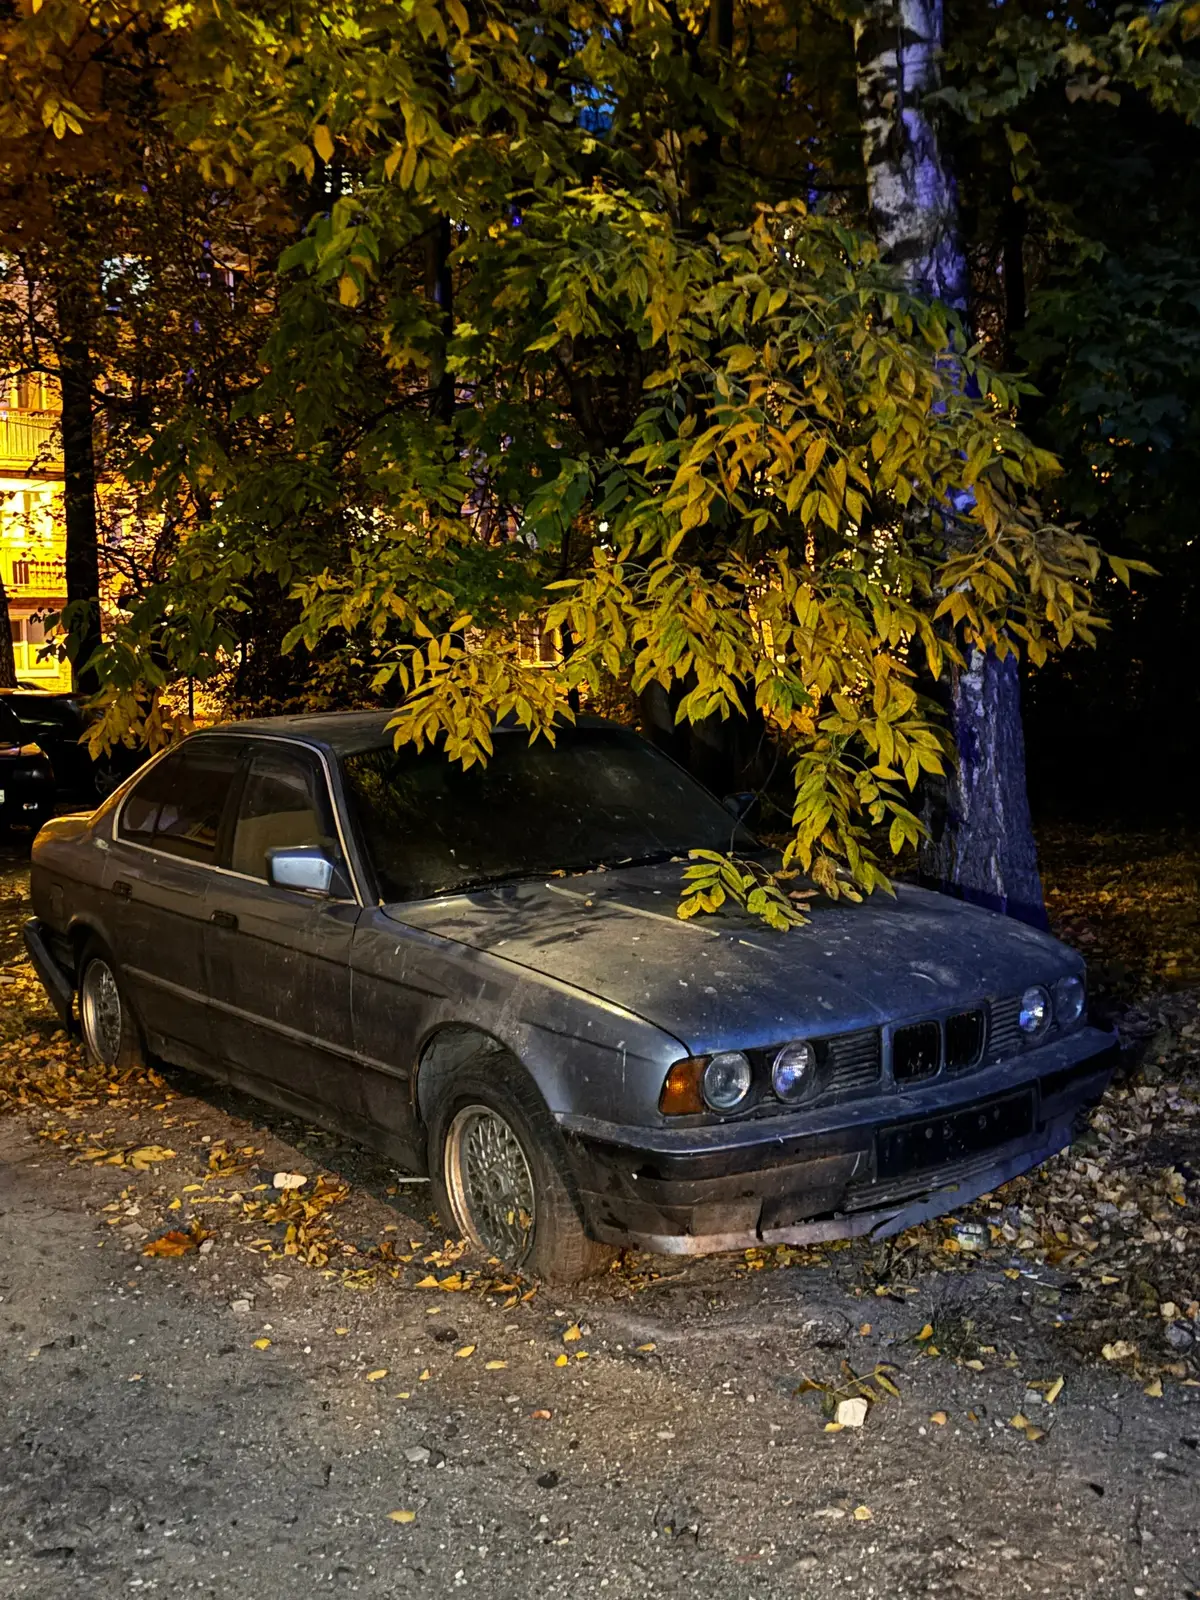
725, 980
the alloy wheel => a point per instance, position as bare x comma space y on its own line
100, 1012
490, 1184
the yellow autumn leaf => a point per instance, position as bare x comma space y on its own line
425, 1376
428, 1282
494, 1366
562, 1361
925, 1333
262, 1344
341, 1331
646, 1348
374, 1377
834, 1427
467, 1350
1154, 1389
323, 142
175, 1204
862, 1513
402, 1516
149, 1155
940, 1418
1020, 1421
572, 1334
1053, 1392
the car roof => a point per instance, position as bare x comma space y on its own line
342, 733
36, 692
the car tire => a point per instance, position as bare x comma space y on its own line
111, 1035
499, 1174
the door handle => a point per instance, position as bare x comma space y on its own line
224, 919
120, 888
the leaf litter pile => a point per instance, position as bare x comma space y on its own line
1103, 1241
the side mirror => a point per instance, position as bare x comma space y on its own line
739, 805
304, 867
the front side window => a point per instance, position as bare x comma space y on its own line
177, 807
597, 796
285, 804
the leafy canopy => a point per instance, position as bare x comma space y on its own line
572, 329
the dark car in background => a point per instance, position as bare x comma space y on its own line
481, 973
57, 723
27, 782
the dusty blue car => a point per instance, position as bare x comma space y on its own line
481, 974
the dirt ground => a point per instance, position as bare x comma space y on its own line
218, 1386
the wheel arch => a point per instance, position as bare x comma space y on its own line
449, 1047
80, 934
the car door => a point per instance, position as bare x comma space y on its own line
279, 959
159, 865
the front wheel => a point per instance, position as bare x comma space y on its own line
110, 1030
500, 1175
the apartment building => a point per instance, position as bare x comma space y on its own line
32, 538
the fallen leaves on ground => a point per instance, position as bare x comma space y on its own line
176, 1242
847, 1404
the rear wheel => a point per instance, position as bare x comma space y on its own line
500, 1175
110, 1031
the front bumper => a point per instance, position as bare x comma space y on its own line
57, 983
869, 1167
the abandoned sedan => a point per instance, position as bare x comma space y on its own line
481, 974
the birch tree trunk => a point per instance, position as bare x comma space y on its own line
981, 843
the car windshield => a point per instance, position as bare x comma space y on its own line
597, 797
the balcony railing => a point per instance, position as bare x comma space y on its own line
29, 445
28, 575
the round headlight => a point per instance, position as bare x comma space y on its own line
1035, 1010
726, 1081
793, 1069
1069, 996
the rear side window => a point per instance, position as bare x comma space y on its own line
179, 804
285, 803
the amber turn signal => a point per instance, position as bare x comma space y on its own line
681, 1091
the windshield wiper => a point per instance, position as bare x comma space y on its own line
655, 858
515, 876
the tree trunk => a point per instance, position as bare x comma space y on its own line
981, 841
981, 845
439, 286
79, 493
8, 661
1014, 277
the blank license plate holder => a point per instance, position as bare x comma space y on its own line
948, 1138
